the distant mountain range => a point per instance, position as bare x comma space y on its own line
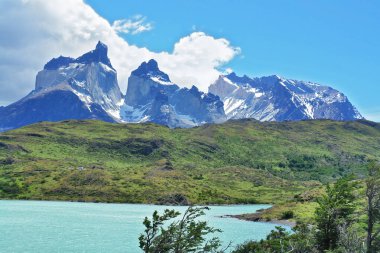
87, 88
273, 98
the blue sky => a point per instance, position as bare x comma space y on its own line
330, 42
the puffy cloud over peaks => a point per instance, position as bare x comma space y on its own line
35, 31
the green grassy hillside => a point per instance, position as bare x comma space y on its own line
236, 162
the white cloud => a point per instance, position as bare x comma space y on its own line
195, 59
134, 25
34, 31
228, 71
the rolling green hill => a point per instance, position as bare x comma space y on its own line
241, 161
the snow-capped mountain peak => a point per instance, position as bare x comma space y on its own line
150, 70
98, 55
274, 98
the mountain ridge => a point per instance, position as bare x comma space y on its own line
89, 87
273, 98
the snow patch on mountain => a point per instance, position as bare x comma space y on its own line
157, 79
86, 99
231, 104
134, 114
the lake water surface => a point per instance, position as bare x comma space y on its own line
45, 226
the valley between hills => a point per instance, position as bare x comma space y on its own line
237, 162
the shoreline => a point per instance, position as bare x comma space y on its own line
257, 217
275, 221
137, 203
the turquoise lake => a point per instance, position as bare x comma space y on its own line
45, 226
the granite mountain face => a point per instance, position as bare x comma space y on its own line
152, 97
68, 88
91, 77
87, 88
